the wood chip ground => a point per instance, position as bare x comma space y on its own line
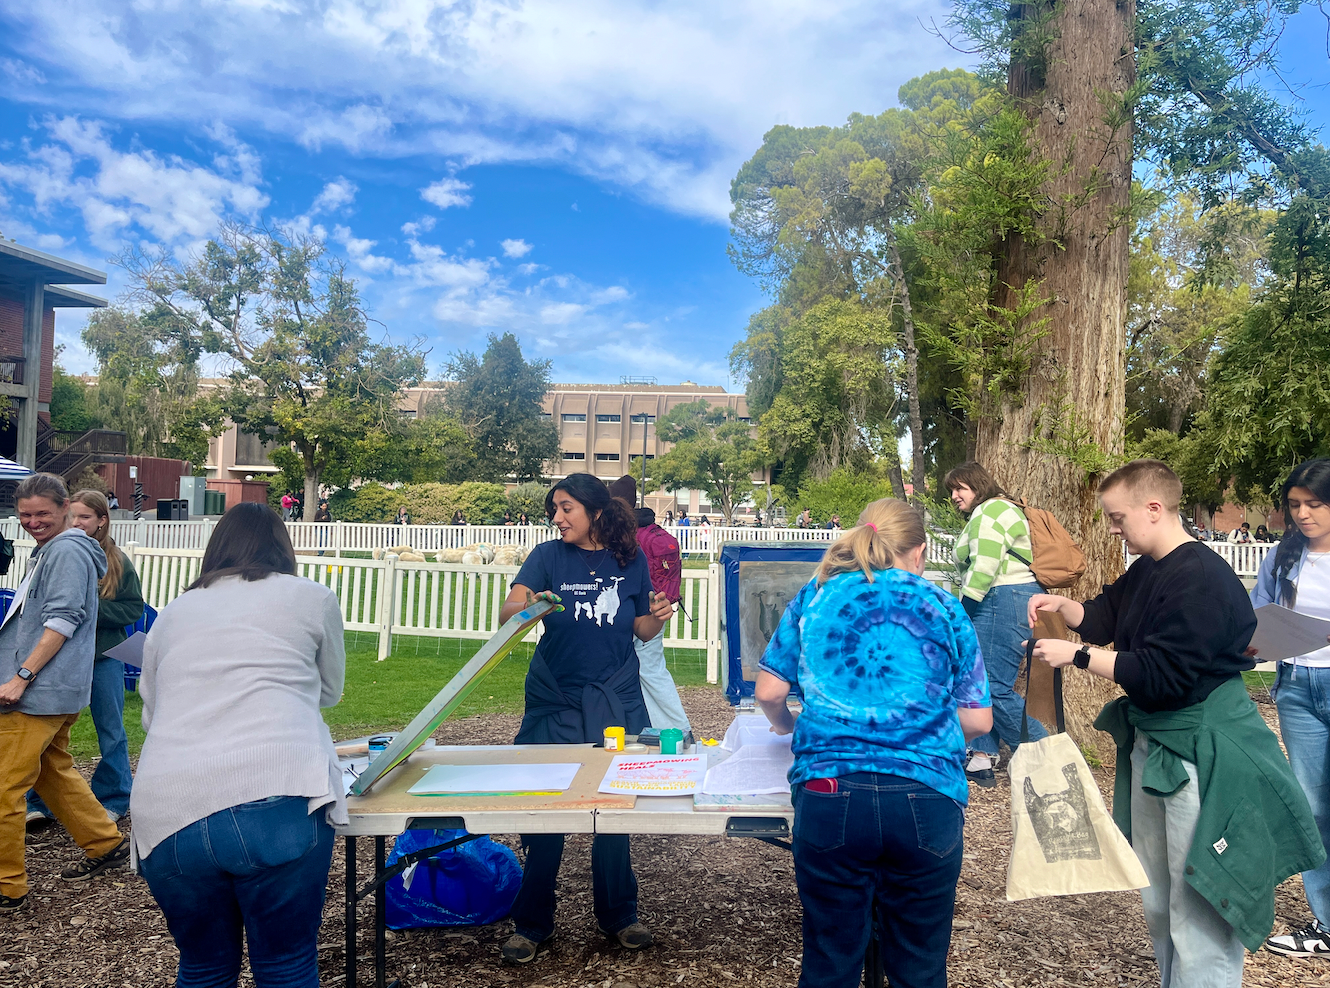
724, 912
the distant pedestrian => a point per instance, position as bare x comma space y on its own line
112, 501
1241, 534
522, 519
403, 516
458, 517
288, 505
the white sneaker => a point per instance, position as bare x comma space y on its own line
36, 820
1310, 941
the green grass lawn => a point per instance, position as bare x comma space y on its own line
385, 695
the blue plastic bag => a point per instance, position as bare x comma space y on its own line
471, 884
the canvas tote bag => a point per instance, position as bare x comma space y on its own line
1063, 840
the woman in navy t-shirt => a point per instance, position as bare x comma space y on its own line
583, 679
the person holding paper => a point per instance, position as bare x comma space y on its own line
1202, 791
239, 782
584, 677
893, 686
47, 646
1297, 576
119, 603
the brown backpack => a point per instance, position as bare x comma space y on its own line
1058, 560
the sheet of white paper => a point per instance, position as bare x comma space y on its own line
751, 729
1282, 633
655, 775
753, 770
130, 650
455, 779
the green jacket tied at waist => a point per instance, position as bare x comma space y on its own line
1255, 828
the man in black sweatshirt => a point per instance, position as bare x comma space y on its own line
1180, 622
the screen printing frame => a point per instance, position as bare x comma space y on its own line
451, 696
737, 688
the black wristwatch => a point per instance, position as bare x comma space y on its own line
1081, 660
26, 674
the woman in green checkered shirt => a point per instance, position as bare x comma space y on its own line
992, 559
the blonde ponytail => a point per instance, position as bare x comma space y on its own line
887, 529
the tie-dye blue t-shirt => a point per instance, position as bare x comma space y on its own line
882, 668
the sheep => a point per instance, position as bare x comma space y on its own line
450, 555
411, 556
472, 559
508, 555
377, 553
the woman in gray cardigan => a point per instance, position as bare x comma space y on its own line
238, 781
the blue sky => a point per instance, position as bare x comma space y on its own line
557, 168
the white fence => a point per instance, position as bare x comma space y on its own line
388, 596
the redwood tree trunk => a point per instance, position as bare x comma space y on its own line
1078, 377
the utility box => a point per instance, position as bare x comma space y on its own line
173, 510
214, 502
191, 490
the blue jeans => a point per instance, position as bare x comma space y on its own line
882, 839
254, 872
1001, 624
1302, 694
1194, 946
661, 696
112, 779
613, 884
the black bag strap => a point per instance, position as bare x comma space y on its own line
1058, 712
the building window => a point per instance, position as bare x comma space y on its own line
744, 418
607, 418
640, 418
607, 456
574, 416
573, 456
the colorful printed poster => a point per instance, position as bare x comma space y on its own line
655, 775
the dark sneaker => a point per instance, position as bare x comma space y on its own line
634, 937
984, 777
1310, 941
520, 950
80, 871
10, 905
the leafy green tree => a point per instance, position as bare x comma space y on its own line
1268, 400
1192, 458
148, 383
306, 373
70, 403
497, 399
845, 492
837, 401
712, 451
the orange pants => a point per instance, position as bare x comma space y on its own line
34, 754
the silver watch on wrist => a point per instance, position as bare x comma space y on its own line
26, 674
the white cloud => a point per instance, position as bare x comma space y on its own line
447, 192
361, 251
666, 100
414, 228
529, 269
21, 72
561, 313
129, 194
515, 248
337, 194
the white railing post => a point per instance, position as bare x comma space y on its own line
387, 600
713, 623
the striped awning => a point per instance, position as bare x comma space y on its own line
9, 470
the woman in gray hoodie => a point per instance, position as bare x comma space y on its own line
47, 645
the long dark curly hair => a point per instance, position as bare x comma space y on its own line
612, 522
1315, 476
